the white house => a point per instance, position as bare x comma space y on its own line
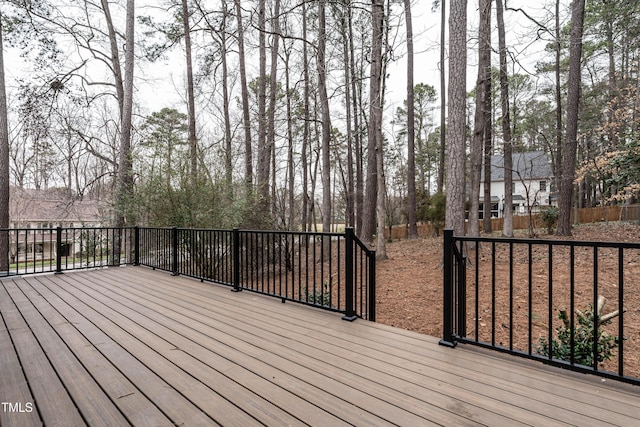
35, 213
532, 183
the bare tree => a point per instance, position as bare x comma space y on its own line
248, 159
456, 130
306, 126
507, 226
125, 163
191, 102
375, 99
4, 163
573, 104
411, 158
220, 35
356, 98
443, 99
326, 118
264, 151
350, 185
483, 94
487, 107
558, 94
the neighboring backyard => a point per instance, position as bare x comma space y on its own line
409, 287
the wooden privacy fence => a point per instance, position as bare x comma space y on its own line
521, 222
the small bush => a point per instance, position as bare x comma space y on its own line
583, 340
320, 296
550, 218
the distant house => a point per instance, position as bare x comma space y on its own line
532, 183
35, 213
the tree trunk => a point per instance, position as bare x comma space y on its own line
356, 97
443, 99
483, 95
573, 104
411, 157
4, 163
290, 138
558, 163
115, 56
264, 151
191, 101
371, 199
246, 118
124, 215
305, 130
507, 226
273, 89
326, 118
381, 247
456, 130
228, 158
485, 47
350, 208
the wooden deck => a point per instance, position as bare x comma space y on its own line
132, 346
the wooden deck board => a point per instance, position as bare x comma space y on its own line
283, 343
54, 404
130, 401
501, 390
93, 404
13, 384
207, 367
151, 349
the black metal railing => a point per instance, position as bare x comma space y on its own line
568, 303
57, 249
333, 271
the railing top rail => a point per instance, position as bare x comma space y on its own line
227, 230
584, 243
296, 233
65, 228
230, 230
363, 246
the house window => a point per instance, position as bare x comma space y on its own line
543, 185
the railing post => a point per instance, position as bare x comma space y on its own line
372, 288
136, 245
350, 314
58, 250
236, 261
174, 246
448, 283
460, 296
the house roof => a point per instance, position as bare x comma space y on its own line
39, 206
528, 165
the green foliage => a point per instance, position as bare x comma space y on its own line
426, 138
431, 209
319, 296
583, 340
166, 193
550, 218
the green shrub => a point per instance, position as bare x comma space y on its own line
550, 218
319, 296
583, 339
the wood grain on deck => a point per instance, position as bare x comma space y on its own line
133, 346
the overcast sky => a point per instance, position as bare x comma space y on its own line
161, 84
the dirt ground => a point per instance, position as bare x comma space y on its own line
409, 288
